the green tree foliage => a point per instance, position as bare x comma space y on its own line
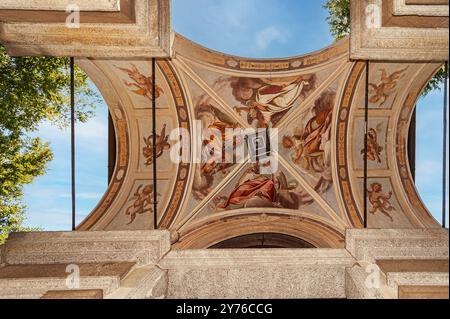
339, 21
32, 90
339, 17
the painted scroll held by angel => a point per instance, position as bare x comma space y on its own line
310, 145
266, 100
141, 84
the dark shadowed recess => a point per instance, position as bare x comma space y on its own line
263, 240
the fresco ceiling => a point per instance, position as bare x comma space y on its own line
314, 103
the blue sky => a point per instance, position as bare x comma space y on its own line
252, 28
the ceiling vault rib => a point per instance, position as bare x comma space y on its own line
320, 201
208, 90
286, 120
217, 189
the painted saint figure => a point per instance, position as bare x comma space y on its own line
214, 126
263, 190
266, 100
252, 190
311, 145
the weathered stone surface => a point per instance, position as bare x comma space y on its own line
356, 287
256, 273
32, 281
414, 272
37, 263
148, 35
115, 269
36, 287
371, 244
147, 282
391, 30
240, 273
142, 247
396, 279
428, 8
413, 265
423, 292
395, 257
74, 294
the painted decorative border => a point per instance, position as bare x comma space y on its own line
342, 145
402, 7
122, 157
183, 168
197, 52
313, 231
412, 20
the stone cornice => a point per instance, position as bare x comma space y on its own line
140, 30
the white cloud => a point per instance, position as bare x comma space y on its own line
85, 195
269, 35
230, 13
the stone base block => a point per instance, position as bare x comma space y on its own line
372, 244
74, 294
142, 247
423, 292
269, 273
417, 279
35, 288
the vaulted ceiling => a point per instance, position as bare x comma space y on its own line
316, 102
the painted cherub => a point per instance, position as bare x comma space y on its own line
373, 148
380, 201
162, 144
142, 83
386, 87
142, 202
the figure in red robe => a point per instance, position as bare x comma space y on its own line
253, 190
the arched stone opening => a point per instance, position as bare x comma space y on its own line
263, 240
425, 150
310, 231
406, 149
118, 142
